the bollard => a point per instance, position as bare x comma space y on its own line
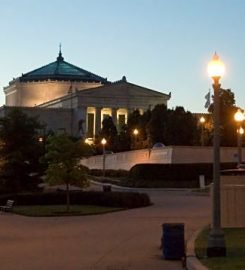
201, 181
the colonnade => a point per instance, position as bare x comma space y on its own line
96, 115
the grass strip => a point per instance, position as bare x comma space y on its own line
235, 248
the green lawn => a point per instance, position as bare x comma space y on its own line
235, 244
60, 210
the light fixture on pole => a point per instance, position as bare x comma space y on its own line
103, 142
239, 118
216, 240
136, 131
202, 121
240, 134
241, 130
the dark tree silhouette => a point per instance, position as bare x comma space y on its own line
227, 124
20, 151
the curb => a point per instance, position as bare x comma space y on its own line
141, 189
192, 263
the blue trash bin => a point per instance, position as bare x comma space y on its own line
173, 241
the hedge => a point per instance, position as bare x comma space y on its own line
172, 175
111, 199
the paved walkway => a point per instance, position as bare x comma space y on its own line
126, 240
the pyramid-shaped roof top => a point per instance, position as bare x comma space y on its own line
61, 70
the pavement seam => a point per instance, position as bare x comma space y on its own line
112, 249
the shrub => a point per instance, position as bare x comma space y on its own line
85, 169
96, 172
112, 199
172, 175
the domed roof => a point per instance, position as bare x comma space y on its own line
158, 145
61, 70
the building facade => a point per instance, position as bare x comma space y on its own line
49, 82
84, 97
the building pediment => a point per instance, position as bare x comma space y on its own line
122, 89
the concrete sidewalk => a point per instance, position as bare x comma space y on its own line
127, 240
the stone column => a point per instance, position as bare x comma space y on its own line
126, 116
114, 116
80, 118
97, 120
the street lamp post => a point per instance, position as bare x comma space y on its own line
202, 121
103, 142
216, 240
135, 133
240, 132
239, 118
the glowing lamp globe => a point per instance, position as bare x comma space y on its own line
103, 141
202, 120
136, 132
239, 116
241, 131
216, 67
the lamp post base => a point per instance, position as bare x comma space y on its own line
216, 245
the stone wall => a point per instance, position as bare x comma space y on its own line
166, 155
34, 93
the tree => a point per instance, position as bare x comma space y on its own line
181, 127
20, 151
122, 140
157, 125
139, 121
63, 155
227, 123
172, 127
109, 132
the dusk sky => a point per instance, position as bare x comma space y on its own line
163, 45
